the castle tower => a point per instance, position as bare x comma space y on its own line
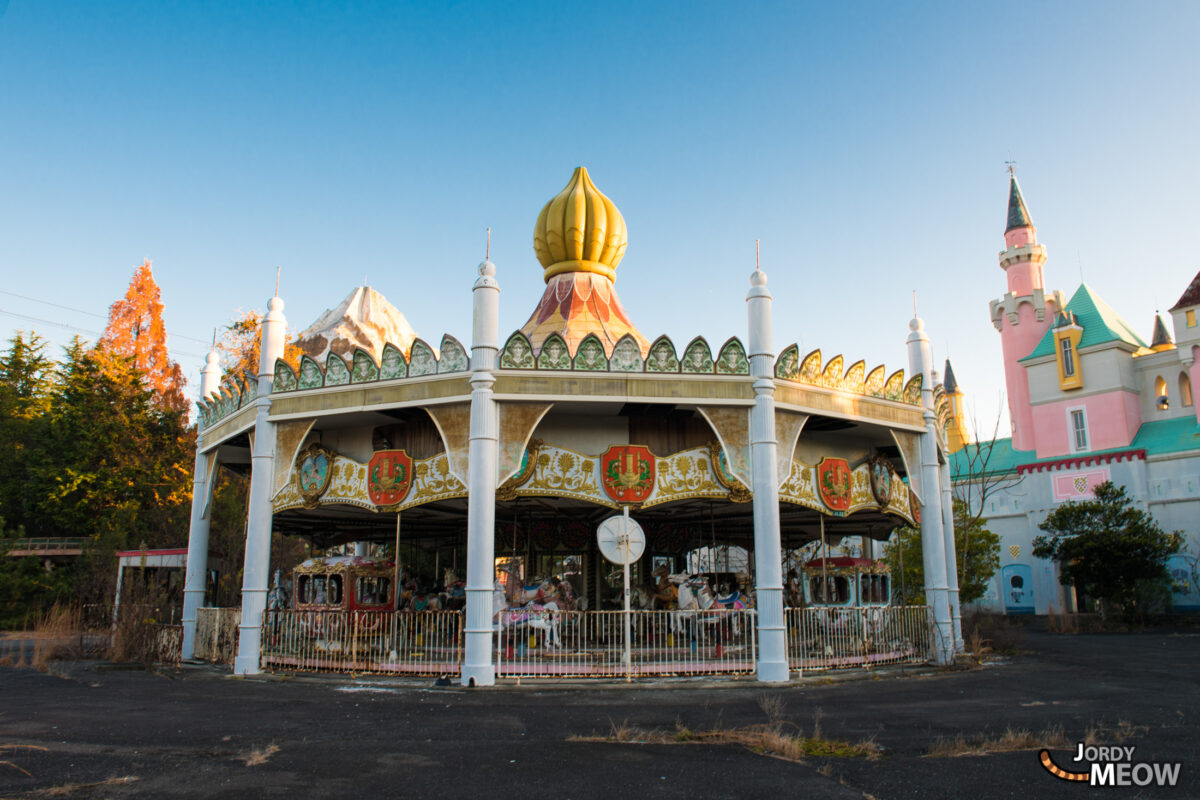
1024, 313
957, 436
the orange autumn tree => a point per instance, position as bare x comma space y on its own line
241, 342
135, 330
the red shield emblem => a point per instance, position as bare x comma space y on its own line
627, 472
389, 474
833, 482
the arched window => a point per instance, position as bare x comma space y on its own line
1160, 394
1185, 389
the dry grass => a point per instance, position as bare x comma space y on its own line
67, 789
777, 738
1075, 623
17, 767
257, 756
986, 633
1012, 740
1104, 734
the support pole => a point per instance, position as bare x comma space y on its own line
196, 578
772, 645
478, 669
951, 555
933, 543
258, 522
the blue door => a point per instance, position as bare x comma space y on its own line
1185, 594
1017, 587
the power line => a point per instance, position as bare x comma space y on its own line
81, 330
89, 313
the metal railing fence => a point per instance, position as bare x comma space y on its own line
217, 634
576, 644
841, 638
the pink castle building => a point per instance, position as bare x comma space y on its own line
1090, 400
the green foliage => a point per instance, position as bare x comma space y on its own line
89, 452
1110, 550
977, 550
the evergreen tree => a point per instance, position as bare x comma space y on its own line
25, 379
135, 330
1110, 550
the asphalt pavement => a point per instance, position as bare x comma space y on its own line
91, 730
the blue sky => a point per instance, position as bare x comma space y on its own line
863, 143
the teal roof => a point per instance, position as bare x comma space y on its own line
1018, 214
1157, 438
1099, 322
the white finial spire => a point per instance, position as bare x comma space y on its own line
487, 250
277, 271
757, 268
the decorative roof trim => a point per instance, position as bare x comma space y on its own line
1082, 461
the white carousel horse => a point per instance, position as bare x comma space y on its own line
697, 605
538, 616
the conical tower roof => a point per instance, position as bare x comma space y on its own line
1162, 338
949, 383
1018, 214
1190, 296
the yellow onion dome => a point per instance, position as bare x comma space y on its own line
580, 230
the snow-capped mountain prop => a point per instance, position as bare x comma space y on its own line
364, 319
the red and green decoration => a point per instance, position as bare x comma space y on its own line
833, 483
389, 476
627, 472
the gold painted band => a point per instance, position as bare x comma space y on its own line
578, 265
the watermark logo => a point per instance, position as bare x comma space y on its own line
1104, 765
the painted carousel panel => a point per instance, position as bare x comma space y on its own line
517, 353
365, 369
787, 366
697, 357
832, 376
311, 376
662, 356
912, 390
251, 389
453, 355
684, 475
626, 356
590, 355
392, 364
893, 388
336, 371
422, 360
555, 354
732, 359
853, 380
810, 367
873, 385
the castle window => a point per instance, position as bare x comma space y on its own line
1160, 394
1185, 390
1068, 357
1079, 435
1190, 314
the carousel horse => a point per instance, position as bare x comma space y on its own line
518, 593
666, 594
536, 616
454, 594
698, 607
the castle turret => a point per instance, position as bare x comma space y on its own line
1024, 313
957, 436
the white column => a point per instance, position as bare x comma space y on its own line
772, 644
197, 557
951, 555
933, 545
258, 524
477, 668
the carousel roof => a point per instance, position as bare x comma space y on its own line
580, 238
365, 319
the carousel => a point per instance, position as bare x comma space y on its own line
453, 492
